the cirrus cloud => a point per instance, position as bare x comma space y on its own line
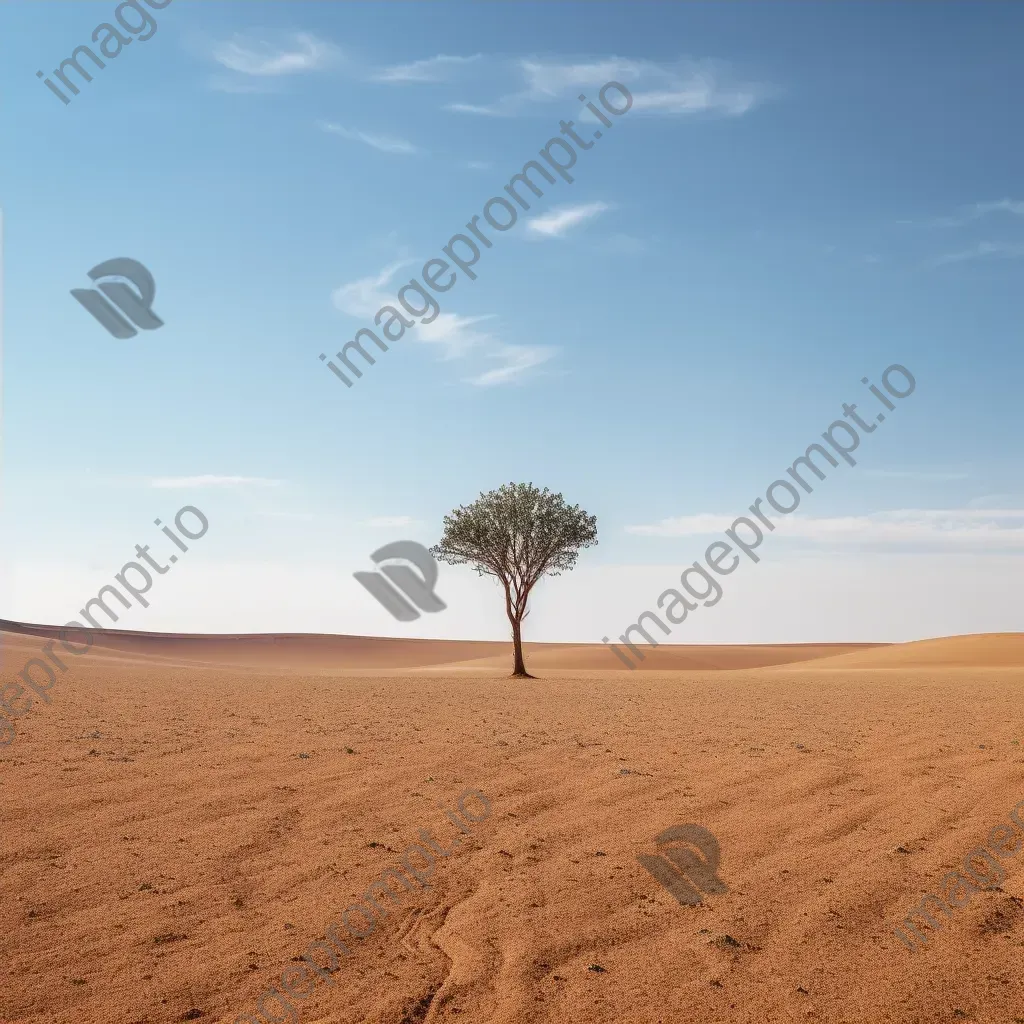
433, 69
683, 87
385, 143
557, 222
983, 250
300, 52
909, 528
456, 336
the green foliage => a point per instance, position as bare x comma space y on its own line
517, 534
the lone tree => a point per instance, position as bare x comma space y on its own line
517, 534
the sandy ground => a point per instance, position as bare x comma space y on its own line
178, 829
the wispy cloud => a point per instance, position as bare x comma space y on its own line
995, 501
385, 143
454, 335
366, 295
212, 480
556, 223
976, 211
516, 360
684, 87
553, 78
477, 108
298, 53
922, 475
434, 69
391, 521
703, 94
962, 527
983, 250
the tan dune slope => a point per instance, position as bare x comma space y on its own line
317, 653
268, 652
664, 658
975, 650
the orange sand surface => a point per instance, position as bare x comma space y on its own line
188, 814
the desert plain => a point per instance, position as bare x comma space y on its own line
187, 814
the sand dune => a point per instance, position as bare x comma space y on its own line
291, 652
664, 658
175, 837
316, 653
974, 650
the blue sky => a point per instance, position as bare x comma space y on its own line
801, 196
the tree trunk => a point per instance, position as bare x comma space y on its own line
519, 668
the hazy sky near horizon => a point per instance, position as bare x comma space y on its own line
801, 196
